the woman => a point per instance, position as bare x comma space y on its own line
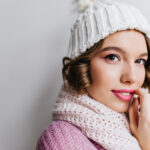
97, 107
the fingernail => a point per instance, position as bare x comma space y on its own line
135, 96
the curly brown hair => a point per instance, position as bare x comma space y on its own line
76, 72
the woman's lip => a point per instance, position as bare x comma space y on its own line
123, 97
124, 91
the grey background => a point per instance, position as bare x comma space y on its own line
34, 37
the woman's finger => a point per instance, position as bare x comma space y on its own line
133, 116
144, 99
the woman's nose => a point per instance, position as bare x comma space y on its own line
129, 75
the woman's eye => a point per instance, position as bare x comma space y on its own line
141, 61
112, 57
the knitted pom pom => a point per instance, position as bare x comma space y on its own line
83, 4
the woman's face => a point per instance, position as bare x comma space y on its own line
118, 69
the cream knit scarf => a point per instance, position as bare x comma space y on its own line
98, 122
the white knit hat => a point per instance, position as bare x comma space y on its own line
100, 18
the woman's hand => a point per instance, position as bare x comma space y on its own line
140, 123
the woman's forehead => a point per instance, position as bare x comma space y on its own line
126, 40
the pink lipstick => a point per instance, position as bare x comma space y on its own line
124, 94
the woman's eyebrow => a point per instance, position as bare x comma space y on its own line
119, 50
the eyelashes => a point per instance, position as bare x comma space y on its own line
115, 58
112, 57
143, 60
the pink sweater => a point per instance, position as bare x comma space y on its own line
61, 135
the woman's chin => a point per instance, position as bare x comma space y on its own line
120, 108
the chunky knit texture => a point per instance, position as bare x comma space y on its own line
102, 18
61, 135
98, 122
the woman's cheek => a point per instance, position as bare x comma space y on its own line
102, 71
141, 72
106, 74
141, 79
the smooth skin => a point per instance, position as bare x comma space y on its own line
119, 64
140, 124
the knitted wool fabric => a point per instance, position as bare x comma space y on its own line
61, 135
102, 18
98, 122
